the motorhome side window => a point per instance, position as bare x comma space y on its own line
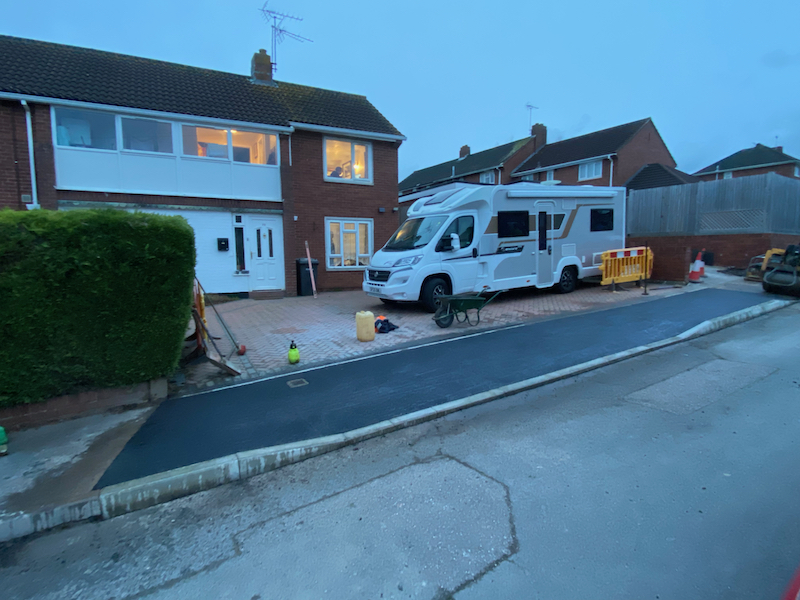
602, 219
512, 223
464, 227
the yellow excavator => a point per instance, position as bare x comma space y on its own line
783, 277
758, 264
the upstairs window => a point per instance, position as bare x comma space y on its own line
146, 135
205, 141
254, 148
487, 177
592, 170
796, 171
727, 175
549, 176
85, 129
347, 161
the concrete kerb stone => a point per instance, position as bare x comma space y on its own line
162, 487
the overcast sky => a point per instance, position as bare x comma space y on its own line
715, 76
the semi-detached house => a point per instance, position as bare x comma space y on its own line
256, 166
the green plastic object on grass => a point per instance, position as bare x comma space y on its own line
3, 442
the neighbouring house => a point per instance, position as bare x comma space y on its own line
492, 166
256, 166
608, 157
752, 161
656, 175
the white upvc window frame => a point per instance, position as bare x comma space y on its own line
487, 177
177, 137
341, 221
550, 175
727, 175
353, 142
585, 175
797, 171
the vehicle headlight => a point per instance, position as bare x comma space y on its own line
408, 261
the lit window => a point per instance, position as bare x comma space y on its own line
487, 177
347, 161
592, 170
549, 176
254, 148
727, 175
204, 141
349, 244
85, 129
146, 135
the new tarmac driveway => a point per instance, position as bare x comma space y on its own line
342, 397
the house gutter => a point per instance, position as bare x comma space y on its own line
29, 127
717, 171
369, 135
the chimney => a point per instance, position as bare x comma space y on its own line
261, 68
464, 152
539, 132
779, 148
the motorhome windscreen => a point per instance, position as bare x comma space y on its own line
415, 233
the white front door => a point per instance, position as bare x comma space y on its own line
265, 246
544, 228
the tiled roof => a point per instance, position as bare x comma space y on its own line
598, 143
62, 72
657, 175
750, 157
454, 169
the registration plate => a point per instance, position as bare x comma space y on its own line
374, 289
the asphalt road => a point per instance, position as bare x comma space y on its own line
344, 397
670, 476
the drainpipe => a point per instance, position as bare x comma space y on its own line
29, 127
611, 172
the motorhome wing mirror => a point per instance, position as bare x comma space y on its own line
455, 242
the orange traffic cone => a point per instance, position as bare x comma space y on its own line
702, 262
694, 273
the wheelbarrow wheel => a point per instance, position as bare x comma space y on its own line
443, 317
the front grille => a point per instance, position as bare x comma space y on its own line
376, 275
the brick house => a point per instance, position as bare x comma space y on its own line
607, 157
256, 166
752, 161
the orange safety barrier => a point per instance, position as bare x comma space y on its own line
627, 264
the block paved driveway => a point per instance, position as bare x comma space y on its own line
324, 327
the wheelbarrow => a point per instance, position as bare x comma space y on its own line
455, 308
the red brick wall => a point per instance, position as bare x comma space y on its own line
645, 147
785, 170
15, 174
670, 252
312, 199
516, 160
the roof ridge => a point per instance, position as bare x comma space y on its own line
606, 130
57, 45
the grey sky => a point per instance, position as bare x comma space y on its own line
715, 76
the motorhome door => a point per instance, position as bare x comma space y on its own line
544, 263
462, 263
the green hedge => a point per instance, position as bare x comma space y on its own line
90, 298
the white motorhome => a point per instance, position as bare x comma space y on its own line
465, 237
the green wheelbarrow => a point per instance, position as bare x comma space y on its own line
455, 308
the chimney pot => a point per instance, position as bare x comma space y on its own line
779, 148
464, 151
261, 67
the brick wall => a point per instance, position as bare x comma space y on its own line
645, 147
15, 174
785, 170
516, 160
673, 254
312, 199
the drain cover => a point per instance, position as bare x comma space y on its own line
293, 383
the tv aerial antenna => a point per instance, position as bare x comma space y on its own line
279, 31
530, 108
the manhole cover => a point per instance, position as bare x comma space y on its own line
293, 383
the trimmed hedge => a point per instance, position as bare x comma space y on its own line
90, 299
